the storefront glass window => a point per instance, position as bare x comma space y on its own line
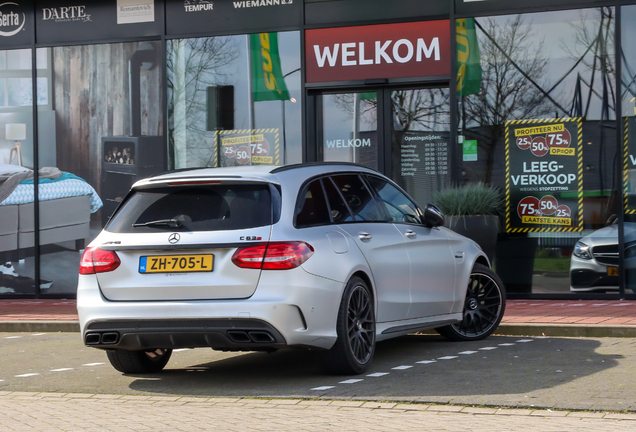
628, 121
420, 133
234, 100
100, 131
350, 128
536, 95
17, 273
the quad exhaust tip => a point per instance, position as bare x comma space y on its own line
107, 338
242, 336
261, 337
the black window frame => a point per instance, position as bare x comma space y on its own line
362, 176
303, 192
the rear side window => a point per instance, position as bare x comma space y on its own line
312, 206
358, 197
200, 208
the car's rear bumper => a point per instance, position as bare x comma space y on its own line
298, 313
231, 334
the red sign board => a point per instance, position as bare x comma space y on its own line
401, 50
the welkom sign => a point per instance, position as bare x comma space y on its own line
404, 50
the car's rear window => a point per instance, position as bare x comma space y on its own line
197, 208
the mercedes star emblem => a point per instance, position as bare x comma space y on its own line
174, 238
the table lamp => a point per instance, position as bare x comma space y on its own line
16, 132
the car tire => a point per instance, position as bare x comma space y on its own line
139, 362
484, 307
353, 351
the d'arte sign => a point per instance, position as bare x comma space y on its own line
66, 14
544, 175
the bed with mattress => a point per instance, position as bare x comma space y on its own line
65, 206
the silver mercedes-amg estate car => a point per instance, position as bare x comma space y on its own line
327, 256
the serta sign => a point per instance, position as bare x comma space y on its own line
378, 51
11, 22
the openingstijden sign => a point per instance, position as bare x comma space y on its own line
401, 50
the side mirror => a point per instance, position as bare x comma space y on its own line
433, 217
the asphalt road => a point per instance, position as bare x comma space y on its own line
561, 373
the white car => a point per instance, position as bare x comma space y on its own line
595, 259
326, 256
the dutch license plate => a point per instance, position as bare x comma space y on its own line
612, 271
176, 263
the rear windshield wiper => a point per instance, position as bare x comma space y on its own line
174, 223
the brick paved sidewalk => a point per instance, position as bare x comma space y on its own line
611, 312
592, 318
49, 412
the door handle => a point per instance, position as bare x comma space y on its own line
410, 234
364, 236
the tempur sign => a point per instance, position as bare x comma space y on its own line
402, 50
198, 5
11, 22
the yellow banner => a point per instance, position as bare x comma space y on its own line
242, 139
562, 151
542, 220
263, 159
537, 130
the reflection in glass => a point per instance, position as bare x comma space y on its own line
628, 121
218, 114
544, 66
104, 134
20, 92
19, 59
420, 133
17, 274
350, 128
3, 92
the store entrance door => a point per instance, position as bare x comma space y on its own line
403, 132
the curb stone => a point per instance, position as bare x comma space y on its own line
337, 404
522, 329
39, 326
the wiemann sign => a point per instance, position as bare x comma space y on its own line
544, 175
404, 50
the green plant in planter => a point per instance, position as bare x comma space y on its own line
472, 210
469, 200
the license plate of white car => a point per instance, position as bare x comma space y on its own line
176, 263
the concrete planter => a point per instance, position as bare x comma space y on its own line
482, 229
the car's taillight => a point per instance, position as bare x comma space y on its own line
273, 256
94, 260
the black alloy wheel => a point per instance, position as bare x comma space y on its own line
360, 324
484, 307
354, 348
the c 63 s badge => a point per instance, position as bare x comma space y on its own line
250, 238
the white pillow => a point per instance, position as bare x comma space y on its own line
7, 168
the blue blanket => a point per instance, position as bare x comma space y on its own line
67, 185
